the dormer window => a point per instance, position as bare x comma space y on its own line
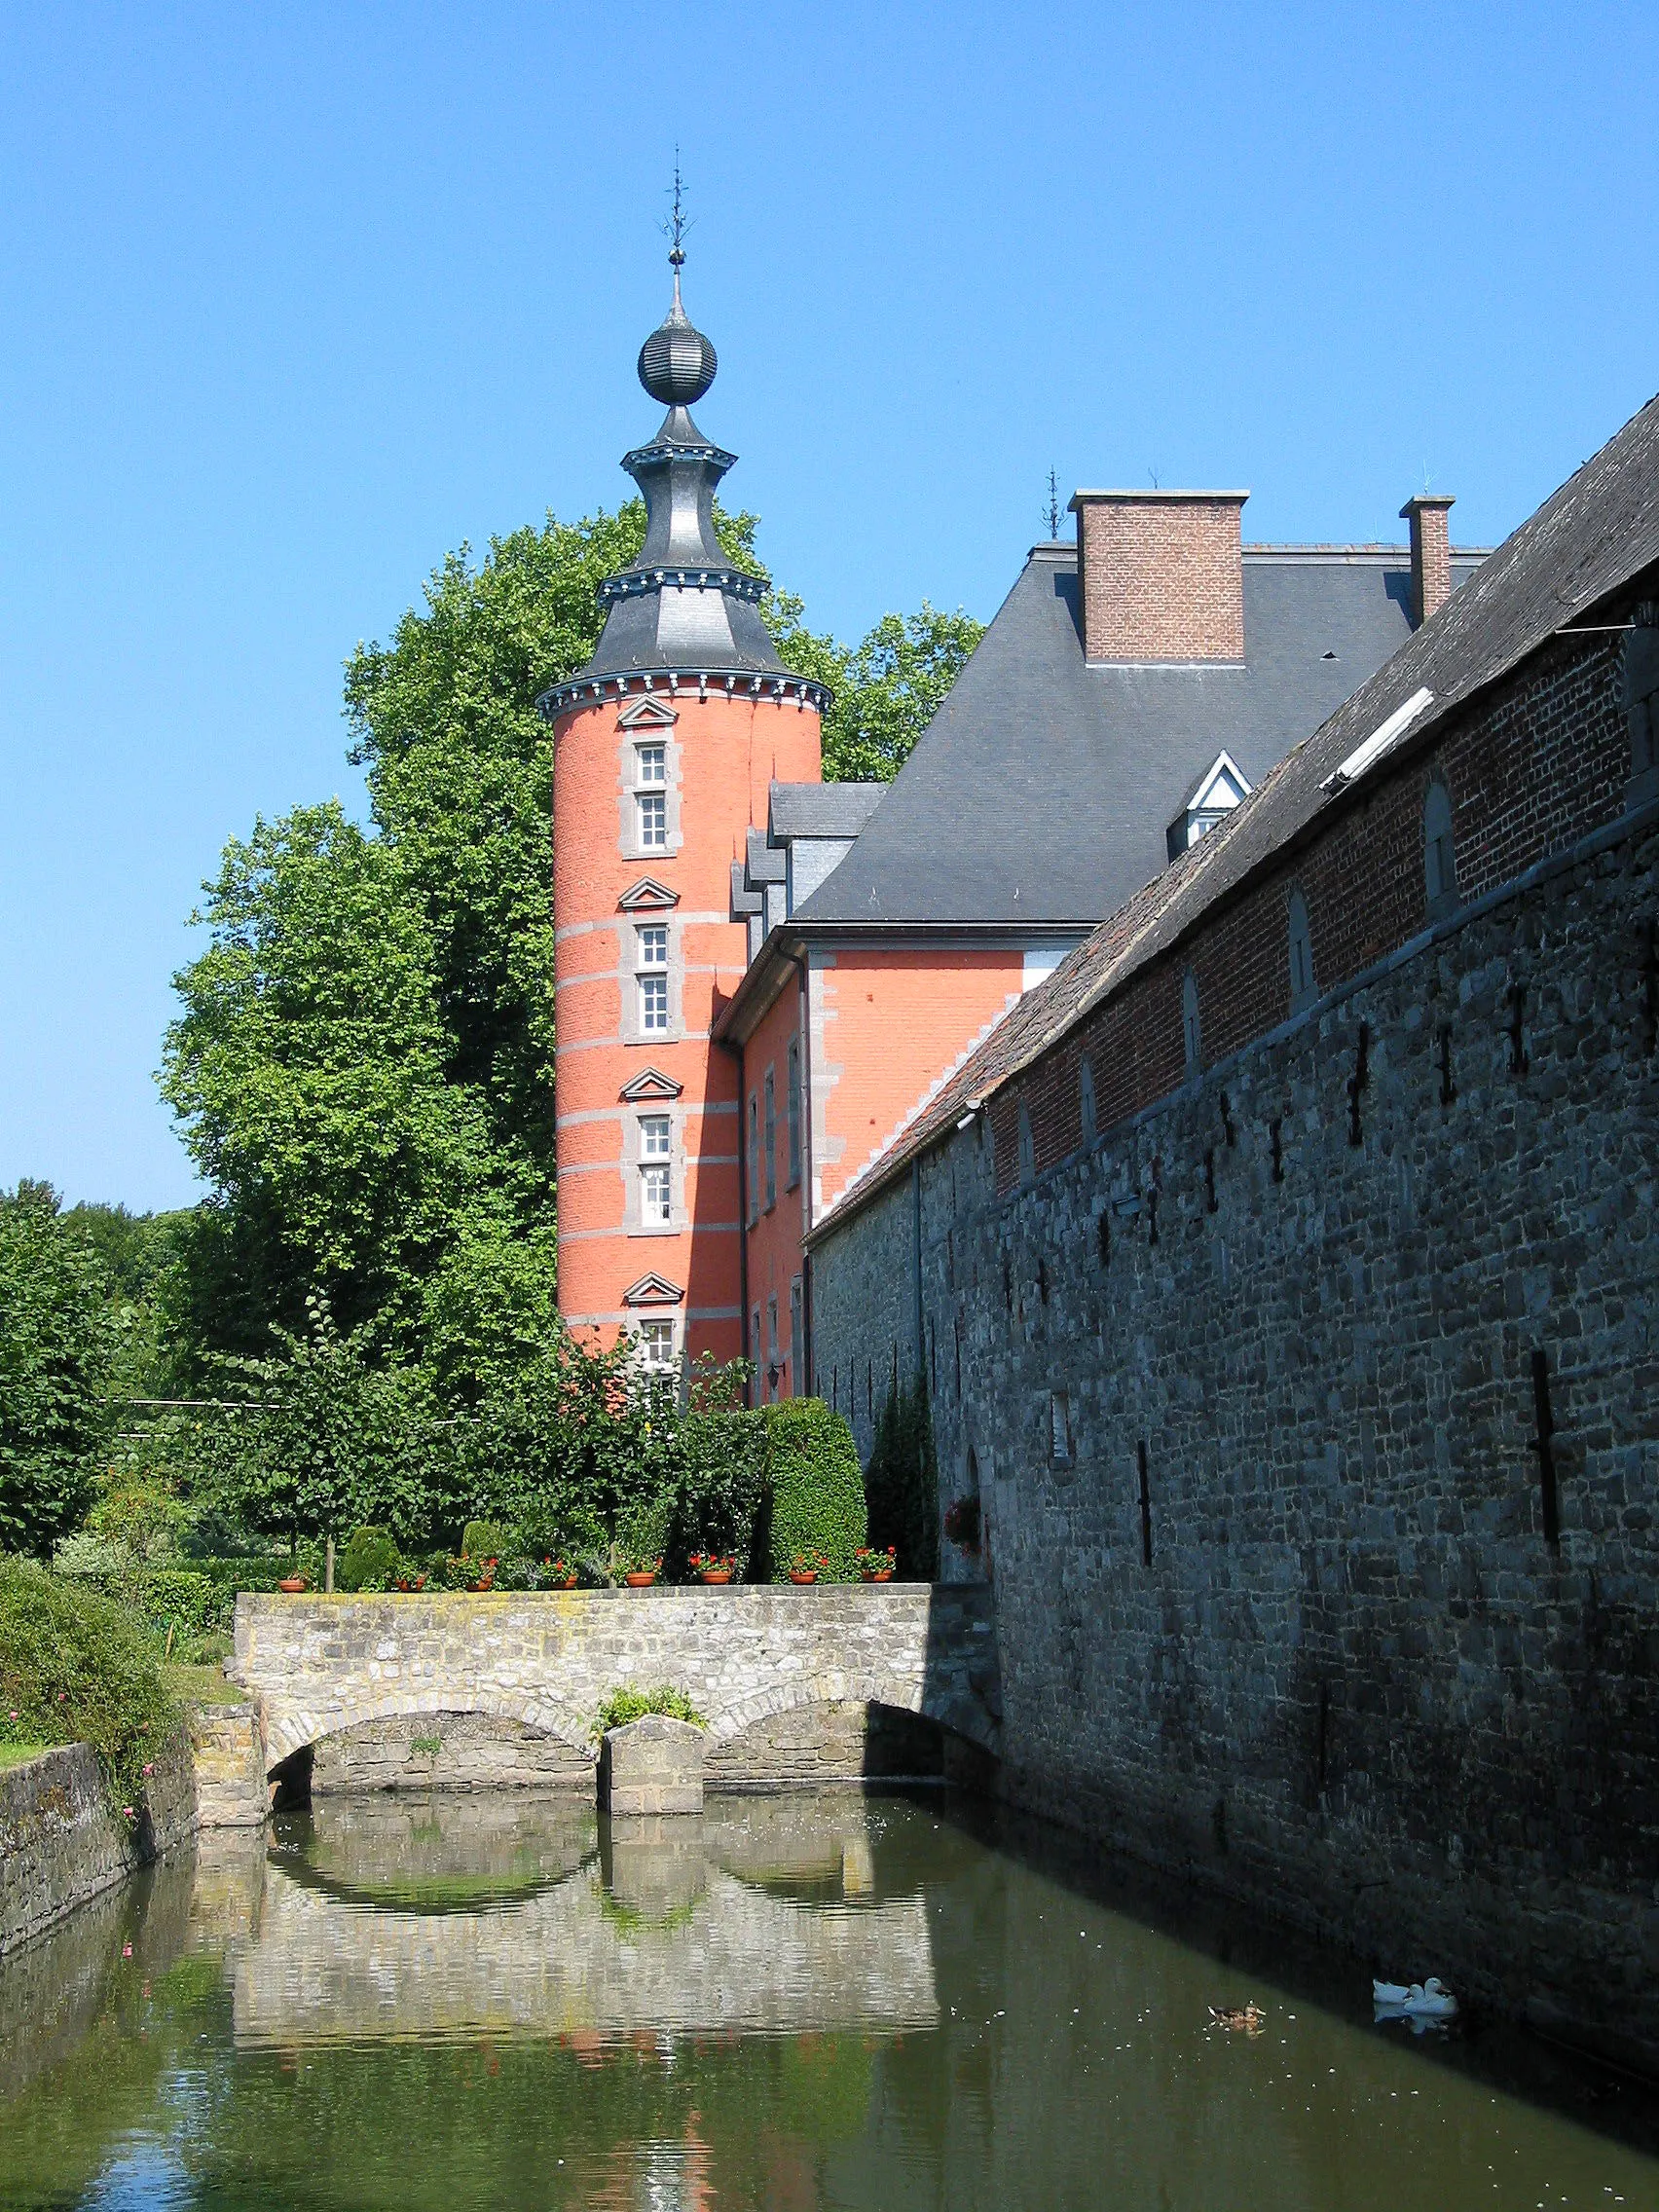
1212, 798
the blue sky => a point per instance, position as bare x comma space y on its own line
292, 301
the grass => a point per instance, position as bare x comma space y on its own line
202, 1685
15, 1754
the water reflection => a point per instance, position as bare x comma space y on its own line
471, 1915
808, 2003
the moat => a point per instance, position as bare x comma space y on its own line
791, 2002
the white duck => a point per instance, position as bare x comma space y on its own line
1428, 2000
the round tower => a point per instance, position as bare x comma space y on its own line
664, 747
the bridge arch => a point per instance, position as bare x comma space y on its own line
289, 1729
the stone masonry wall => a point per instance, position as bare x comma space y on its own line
62, 1844
1281, 1592
363, 1676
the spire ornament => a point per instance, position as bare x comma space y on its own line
676, 362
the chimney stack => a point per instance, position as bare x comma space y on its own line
1431, 553
1161, 576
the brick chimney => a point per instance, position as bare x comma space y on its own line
1160, 576
1431, 553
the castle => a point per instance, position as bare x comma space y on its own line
761, 978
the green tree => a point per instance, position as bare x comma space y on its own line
60, 1329
887, 688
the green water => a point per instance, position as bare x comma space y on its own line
791, 2003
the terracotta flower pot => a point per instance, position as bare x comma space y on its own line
291, 1585
718, 1574
569, 1583
866, 1574
794, 1577
640, 1581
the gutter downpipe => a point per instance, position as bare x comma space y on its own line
916, 1213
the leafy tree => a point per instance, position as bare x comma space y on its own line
59, 1330
887, 688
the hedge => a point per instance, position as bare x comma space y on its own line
75, 1670
814, 1498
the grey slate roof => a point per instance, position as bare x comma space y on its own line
1043, 788
1590, 538
822, 810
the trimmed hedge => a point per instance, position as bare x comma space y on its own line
815, 1497
75, 1670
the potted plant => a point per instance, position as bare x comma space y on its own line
486, 1569
712, 1566
558, 1574
876, 1566
807, 1567
642, 1572
291, 1585
962, 1523
409, 1584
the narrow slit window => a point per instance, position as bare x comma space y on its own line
1439, 853
1301, 953
1192, 1040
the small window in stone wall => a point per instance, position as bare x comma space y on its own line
794, 1110
1059, 1428
1192, 1040
771, 1140
1027, 1149
1439, 853
1301, 953
1086, 1101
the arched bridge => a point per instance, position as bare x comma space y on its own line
321, 1666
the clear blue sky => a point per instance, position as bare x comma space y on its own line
293, 300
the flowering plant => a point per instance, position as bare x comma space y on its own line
409, 1583
558, 1571
713, 1563
869, 1561
962, 1523
809, 1562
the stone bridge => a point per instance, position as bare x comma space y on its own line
531, 1669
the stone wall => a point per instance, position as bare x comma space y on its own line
446, 1751
1288, 1591
60, 1843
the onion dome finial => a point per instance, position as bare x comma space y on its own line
676, 362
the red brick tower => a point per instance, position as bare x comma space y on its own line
664, 747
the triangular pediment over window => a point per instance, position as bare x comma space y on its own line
647, 714
1221, 788
652, 1290
646, 894
651, 1083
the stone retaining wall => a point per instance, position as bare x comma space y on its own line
62, 1844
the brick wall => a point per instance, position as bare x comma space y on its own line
1161, 575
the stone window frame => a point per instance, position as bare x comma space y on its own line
792, 1063
769, 1097
1438, 850
657, 1329
1192, 1029
636, 1160
638, 744
1298, 941
635, 970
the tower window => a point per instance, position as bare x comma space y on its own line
1300, 952
1439, 853
794, 1111
653, 763
657, 1182
771, 1092
656, 1345
653, 978
653, 821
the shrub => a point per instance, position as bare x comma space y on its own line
75, 1668
369, 1560
815, 1498
484, 1540
629, 1704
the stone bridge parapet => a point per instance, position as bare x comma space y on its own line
317, 1666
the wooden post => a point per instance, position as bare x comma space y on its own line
328, 1568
